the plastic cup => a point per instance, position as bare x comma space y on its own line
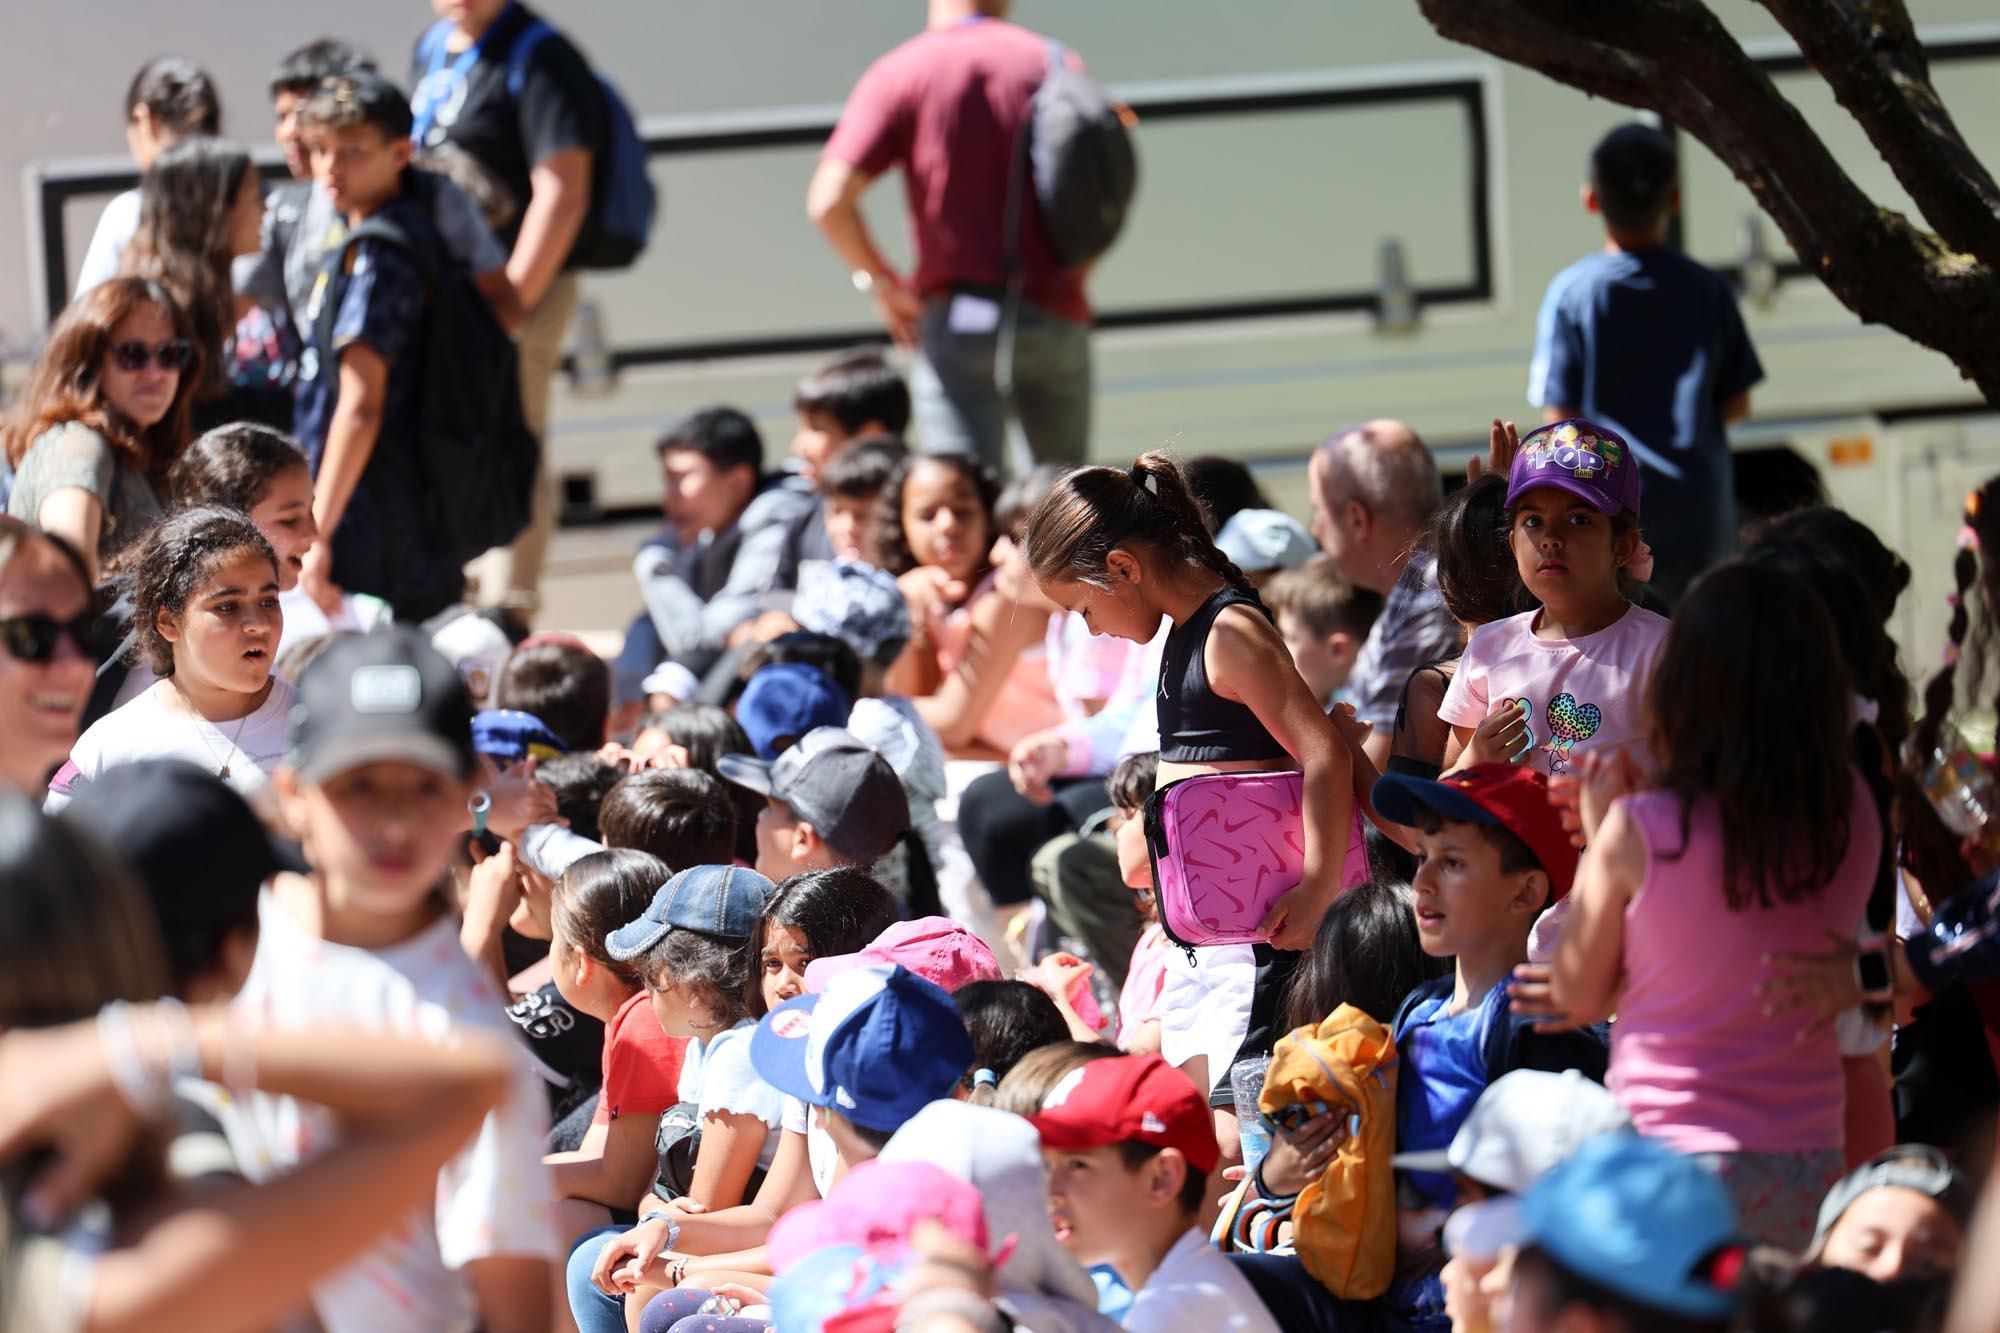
1246, 1085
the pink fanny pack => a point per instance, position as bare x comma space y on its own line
1225, 847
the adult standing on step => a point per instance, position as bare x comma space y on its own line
537, 134
948, 107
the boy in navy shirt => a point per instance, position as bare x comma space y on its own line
1648, 341
357, 401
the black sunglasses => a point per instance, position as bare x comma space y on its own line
33, 638
132, 357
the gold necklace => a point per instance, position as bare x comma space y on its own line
201, 729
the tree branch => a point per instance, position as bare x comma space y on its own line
1675, 57
1868, 53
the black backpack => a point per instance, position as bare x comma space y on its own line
475, 455
1077, 154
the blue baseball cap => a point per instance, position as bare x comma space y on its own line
877, 1045
1638, 1219
1258, 541
715, 900
509, 736
785, 701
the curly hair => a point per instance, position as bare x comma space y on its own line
67, 382
1930, 849
891, 542
173, 562
712, 970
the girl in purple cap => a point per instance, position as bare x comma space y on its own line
1564, 678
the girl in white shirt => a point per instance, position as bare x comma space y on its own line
263, 473
207, 622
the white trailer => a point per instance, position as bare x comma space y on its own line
1288, 148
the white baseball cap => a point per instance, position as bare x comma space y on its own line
1522, 1126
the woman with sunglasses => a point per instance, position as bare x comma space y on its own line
45, 672
106, 410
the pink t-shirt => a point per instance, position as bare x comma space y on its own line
1026, 702
1139, 1000
1694, 1059
1580, 692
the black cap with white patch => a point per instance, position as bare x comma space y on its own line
387, 697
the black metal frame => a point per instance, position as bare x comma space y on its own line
1466, 93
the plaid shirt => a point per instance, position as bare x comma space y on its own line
1414, 628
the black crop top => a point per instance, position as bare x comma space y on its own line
1197, 725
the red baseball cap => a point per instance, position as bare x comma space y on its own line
1129, 1097
1510, 796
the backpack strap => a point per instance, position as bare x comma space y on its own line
522, 51
339, 270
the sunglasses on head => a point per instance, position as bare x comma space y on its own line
136, 356
33, 638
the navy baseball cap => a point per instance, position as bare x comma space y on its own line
509, 736
785, 701
714, 900
877, 1045
1641, 1220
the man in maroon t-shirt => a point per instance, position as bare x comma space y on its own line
947, 107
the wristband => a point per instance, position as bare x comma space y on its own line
479, 807
673, 1227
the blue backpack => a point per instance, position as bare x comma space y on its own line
623, 200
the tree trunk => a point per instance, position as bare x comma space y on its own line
1675, 57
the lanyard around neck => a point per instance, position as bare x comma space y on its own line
439, 81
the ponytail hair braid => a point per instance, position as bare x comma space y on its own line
1094, 510
1929, 848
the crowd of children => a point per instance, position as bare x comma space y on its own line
960, 906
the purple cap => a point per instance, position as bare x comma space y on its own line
1580, 457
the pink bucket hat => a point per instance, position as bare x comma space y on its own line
876, 1207
936, 948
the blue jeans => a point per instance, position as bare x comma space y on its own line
595, 1312
958, 407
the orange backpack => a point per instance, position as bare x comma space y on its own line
1344, 1223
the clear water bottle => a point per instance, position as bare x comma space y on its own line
1246, 1085
1962, 791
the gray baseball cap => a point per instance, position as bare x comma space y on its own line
714, 900
846, 791
382, 697
1910, 1166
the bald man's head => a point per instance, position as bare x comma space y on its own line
1375, 487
